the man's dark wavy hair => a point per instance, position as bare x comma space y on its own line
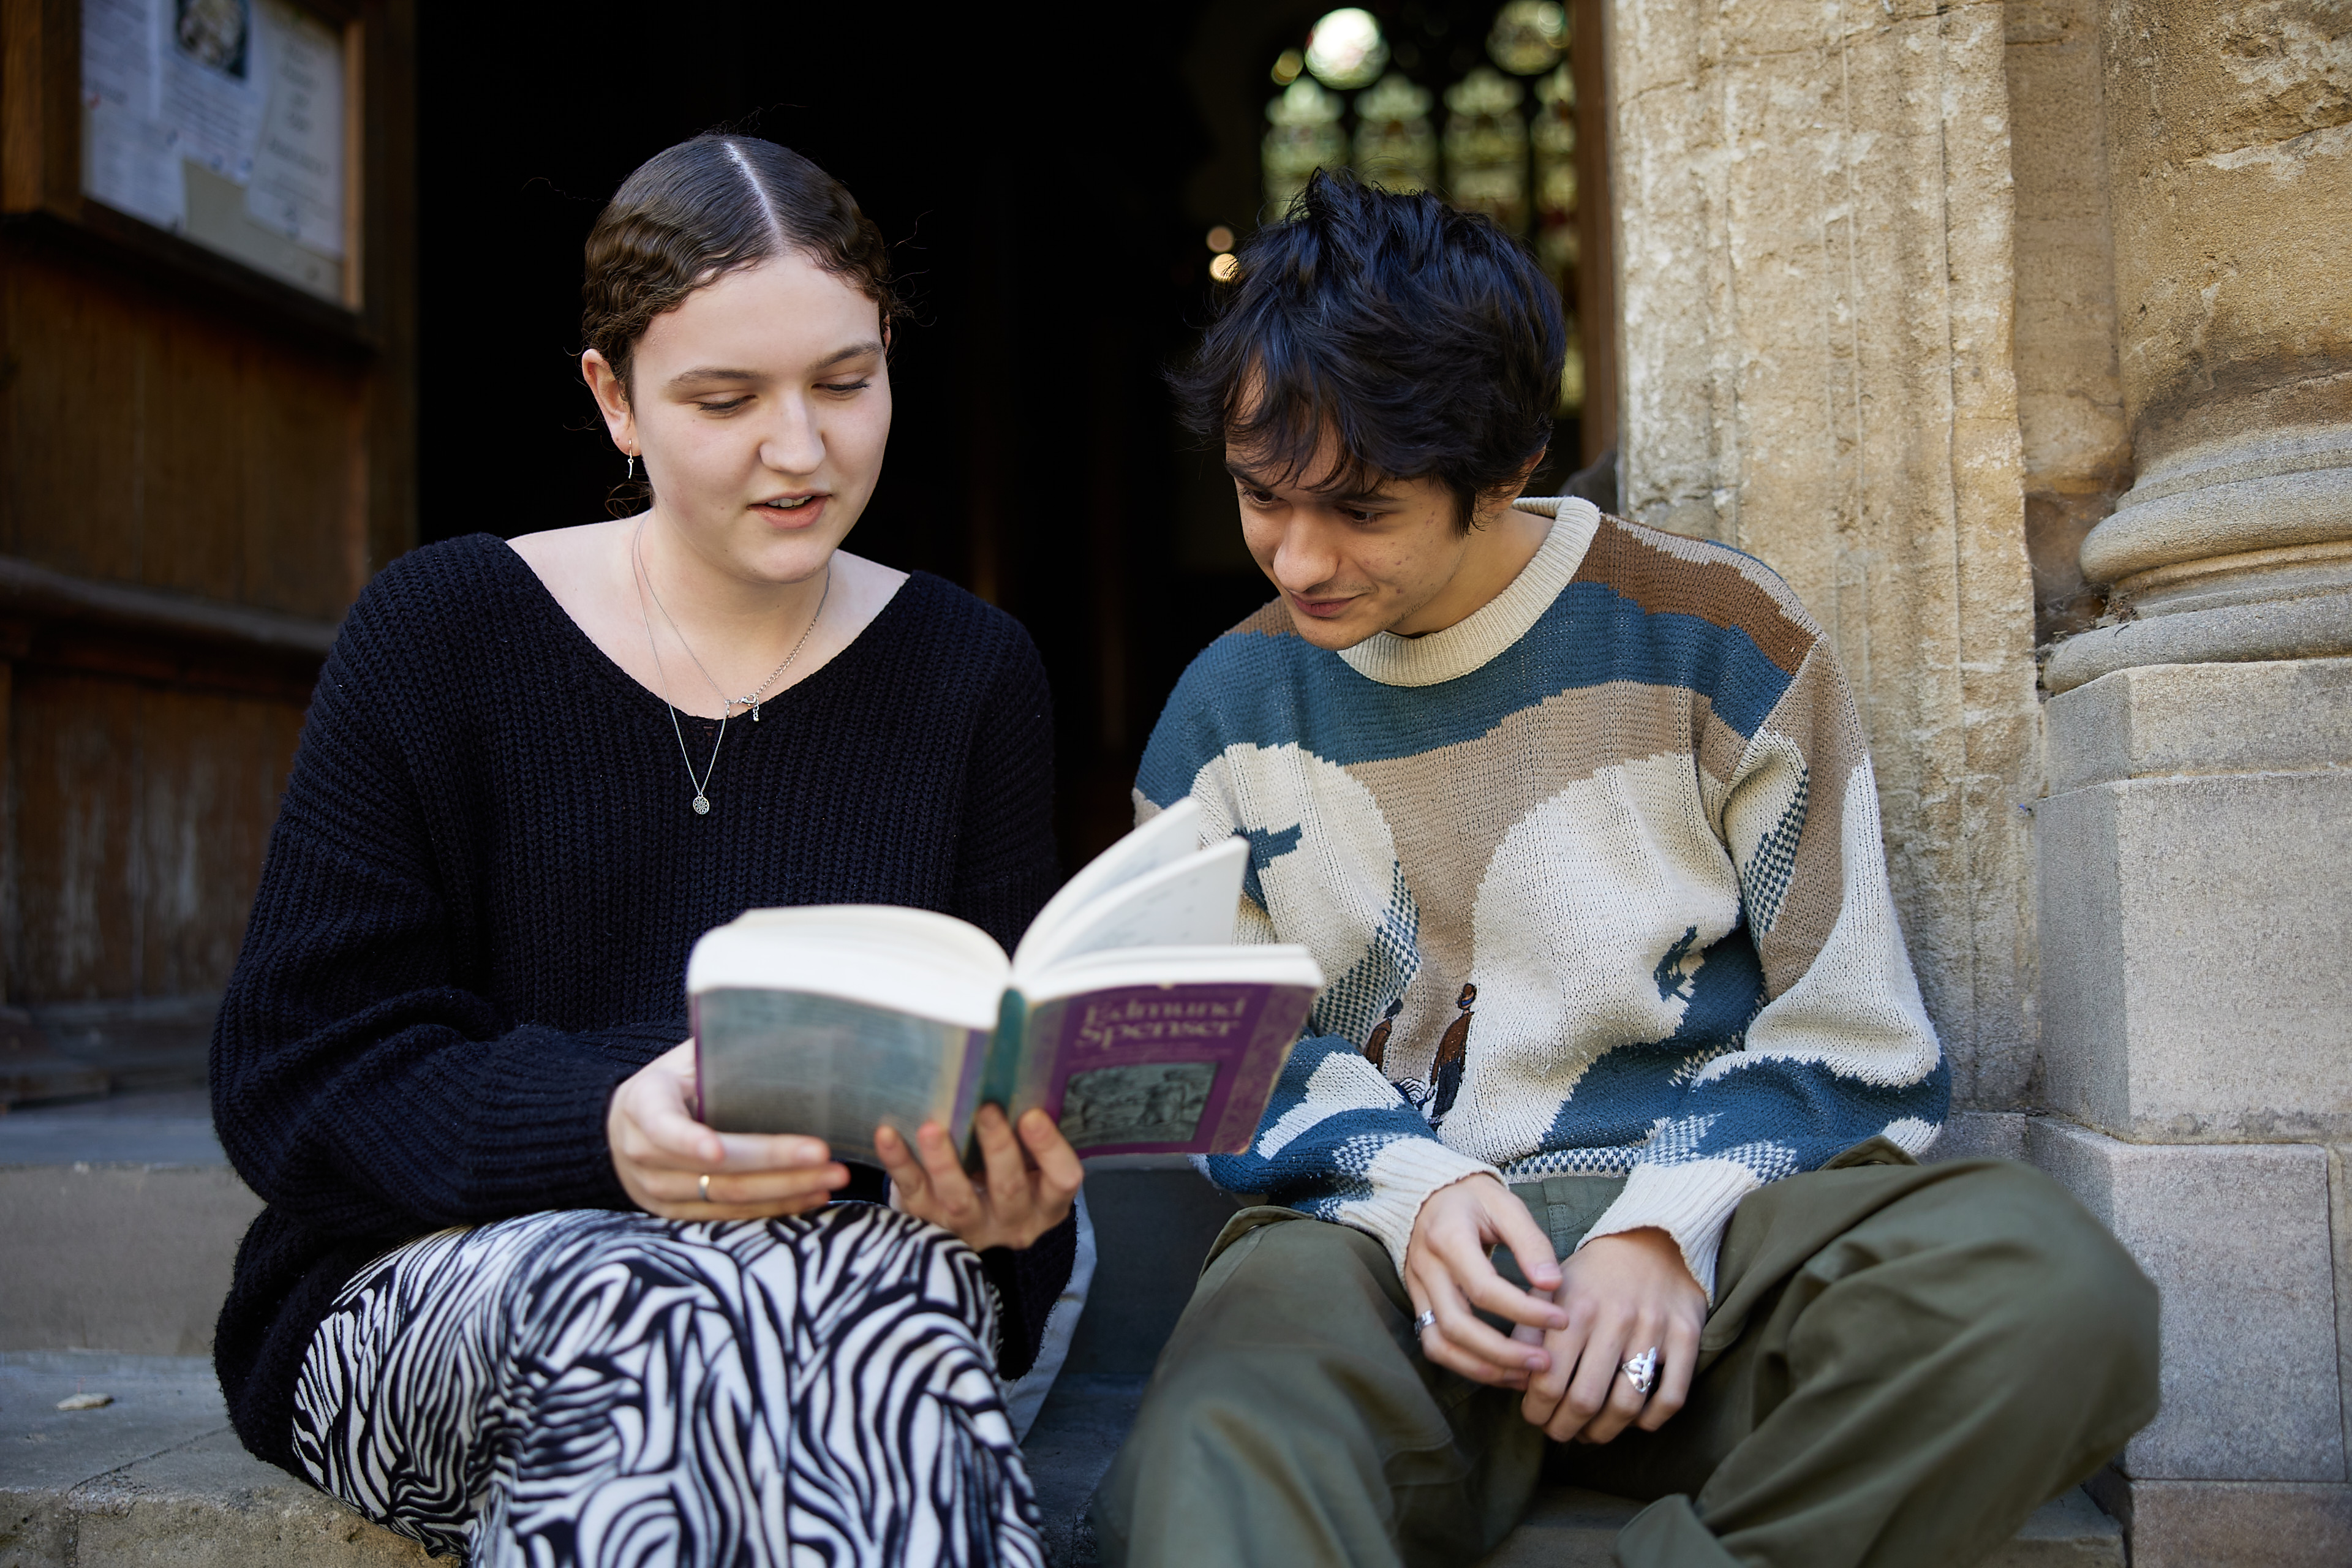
1427, 338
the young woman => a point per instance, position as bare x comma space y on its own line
508, 1297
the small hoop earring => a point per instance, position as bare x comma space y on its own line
633, 464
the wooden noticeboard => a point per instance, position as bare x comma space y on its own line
234, 123
228, 137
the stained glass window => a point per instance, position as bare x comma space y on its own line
1395, 146
1490, 128
1306, 136
1486, 147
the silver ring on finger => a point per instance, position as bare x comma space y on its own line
1423, 1323
704, 1182
1642, 1371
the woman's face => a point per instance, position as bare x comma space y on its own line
759, 408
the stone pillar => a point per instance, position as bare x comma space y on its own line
2230, 144
2196, 996
1815, 267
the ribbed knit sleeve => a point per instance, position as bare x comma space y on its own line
397, 1100
1842, 1049
1339, 1142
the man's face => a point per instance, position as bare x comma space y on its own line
1348, 565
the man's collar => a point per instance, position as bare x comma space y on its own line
1499, 623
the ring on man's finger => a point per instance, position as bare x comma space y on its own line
1642, 1371
1423, 1323
704, 1182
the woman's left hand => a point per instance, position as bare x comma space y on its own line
1022, 1196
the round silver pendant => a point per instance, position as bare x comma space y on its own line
701, 807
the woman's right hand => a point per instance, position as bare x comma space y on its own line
661, 1153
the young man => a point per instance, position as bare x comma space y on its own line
1579, 820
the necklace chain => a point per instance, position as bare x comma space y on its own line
702, 785
758, 692
645, 587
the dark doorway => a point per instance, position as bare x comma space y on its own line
1030, 177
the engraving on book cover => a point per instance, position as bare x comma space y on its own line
1149, 1102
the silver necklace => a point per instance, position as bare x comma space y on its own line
758, 692
644, 581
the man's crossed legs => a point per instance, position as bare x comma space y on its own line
1901, 1363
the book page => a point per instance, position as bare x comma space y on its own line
784, 1061
1162, 841
1186, 903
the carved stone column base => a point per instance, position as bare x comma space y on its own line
2237, 550
2317, 626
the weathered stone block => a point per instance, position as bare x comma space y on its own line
1974, 1134
2241, 1524
2273, 715
2339, 1196
122, 1258
2236, 1238
2193, 932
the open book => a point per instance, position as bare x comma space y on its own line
1127, 1013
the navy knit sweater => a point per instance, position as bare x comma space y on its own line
474, 918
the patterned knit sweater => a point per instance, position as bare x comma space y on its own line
474, 918
1595, 875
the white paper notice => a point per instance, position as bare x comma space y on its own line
131, 162
210, 94
222, 121
118, 54
297, 186
135, 165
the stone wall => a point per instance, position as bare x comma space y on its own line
2070, 400
1818, 298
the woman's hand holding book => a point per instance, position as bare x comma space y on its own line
672, 1165
1028, 1178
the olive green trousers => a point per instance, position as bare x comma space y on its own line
1901, 1363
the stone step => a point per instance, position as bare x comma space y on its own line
157, 1476
122, 1218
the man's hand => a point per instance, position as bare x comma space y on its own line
661, 1153
1021, 1197
1446, 1272
1623, 1294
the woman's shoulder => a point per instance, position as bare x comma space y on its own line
429, 609
450, 580
934, 605
459, 570
934, 620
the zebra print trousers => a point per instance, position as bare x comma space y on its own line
603, 1389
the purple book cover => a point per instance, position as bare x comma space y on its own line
1161, 1069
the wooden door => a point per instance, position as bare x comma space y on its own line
206, 414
